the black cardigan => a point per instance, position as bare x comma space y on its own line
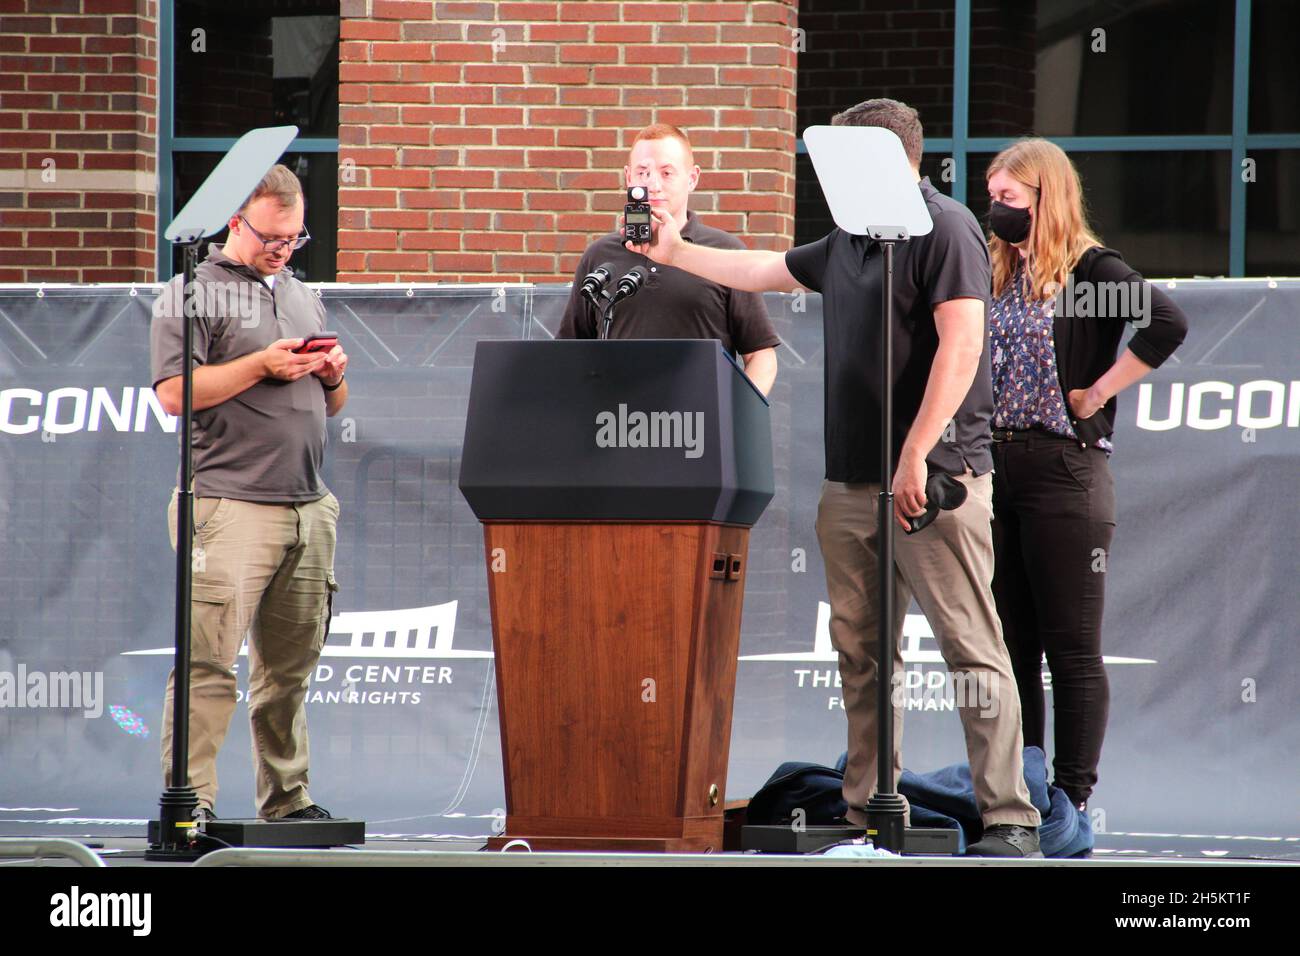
1087, 346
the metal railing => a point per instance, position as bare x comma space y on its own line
22, 848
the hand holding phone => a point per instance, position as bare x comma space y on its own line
318, 342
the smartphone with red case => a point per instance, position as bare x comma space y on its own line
318, 342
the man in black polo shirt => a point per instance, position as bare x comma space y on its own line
674, 304
943, 402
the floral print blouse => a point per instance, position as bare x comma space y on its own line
1026, 390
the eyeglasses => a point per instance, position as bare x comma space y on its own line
275, 245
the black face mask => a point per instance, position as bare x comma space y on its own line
1009, 223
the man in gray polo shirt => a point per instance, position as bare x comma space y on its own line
264, 522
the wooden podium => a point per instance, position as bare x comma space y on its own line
616, 548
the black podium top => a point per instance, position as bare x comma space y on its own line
644, 430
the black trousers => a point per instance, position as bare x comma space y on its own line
1053, 519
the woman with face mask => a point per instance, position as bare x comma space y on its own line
1059, 306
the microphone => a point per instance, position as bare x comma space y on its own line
629, 285
595, 281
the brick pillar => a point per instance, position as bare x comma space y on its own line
78, 128
486, 140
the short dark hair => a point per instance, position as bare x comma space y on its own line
899, 118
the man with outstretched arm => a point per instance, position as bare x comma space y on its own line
943, 404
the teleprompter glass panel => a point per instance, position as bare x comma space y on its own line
812, 217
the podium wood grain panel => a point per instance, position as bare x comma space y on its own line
714, 650
616, 661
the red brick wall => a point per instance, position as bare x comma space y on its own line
470, 160
78, 85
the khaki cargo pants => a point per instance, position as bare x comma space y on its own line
265, 570
949, 568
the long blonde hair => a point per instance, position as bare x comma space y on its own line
1060, 232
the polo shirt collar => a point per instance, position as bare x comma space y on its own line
217, 256
692, 228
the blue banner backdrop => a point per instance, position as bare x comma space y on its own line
1201, 616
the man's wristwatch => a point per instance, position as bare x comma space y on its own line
335, 386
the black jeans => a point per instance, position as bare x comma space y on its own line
1053, 519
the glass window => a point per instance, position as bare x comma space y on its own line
237, 70
1274, 67
855, 51
1075, 68
1273, 214
318, 173
1165, 212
